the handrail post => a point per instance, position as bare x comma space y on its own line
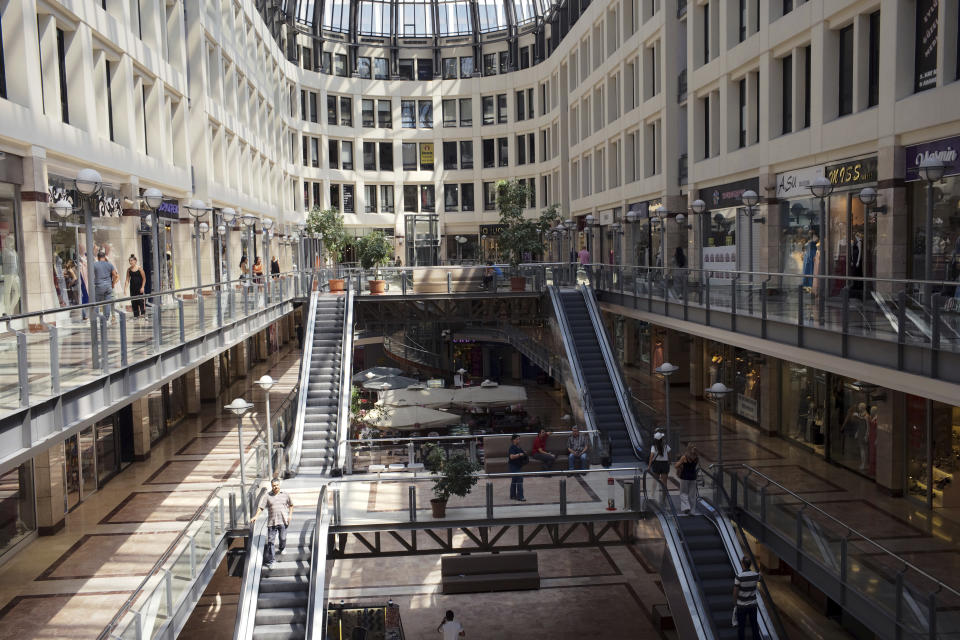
932, 609
899, 604
449, 282
733, 304
411, 457
843, 567
706, 281
901, 326
123, 339
489, 489
563, 495
168, 587
935, 302
412, 502
348, 463
800, 316
23, 366
219, 293
54, 358
763, 503
183, 327
683, 291
844, 320
763, 310
104, 345
193, 557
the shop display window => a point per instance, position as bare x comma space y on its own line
946, 232
933, 479
17, 514
11, 286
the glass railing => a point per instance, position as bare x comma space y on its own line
917, 603
453, 279
46, 353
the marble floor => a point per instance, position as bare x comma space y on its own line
70, 585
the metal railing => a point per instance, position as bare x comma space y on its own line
296, 442
316, 626
913, 603
346, 388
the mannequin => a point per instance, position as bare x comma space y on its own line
872, 441
862, 434
10, 285
856, 265
809, 258
62, 291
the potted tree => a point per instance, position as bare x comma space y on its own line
455, 475
375, 251
328, 224
520, 235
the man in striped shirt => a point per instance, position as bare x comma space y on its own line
745, 599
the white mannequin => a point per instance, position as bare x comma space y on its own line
10, 285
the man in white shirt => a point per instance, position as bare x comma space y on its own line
450, 629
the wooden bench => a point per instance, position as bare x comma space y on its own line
490, 572
435, 280
495, 452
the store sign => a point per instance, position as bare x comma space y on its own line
728, 195
640, 208
853, 172
169, 210
748, 408
107, 204
606, 217
945, 150
426, 153
718, 260
792, 184
925, 45
491, 229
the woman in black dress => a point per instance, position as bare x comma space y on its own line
136, 280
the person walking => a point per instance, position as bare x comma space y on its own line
279, 511
105, 278
244, 267
659, 462
745, 600
135, 282
687, 471
516, 458
258, 270
450, 628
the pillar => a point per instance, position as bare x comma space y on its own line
191, 392
141, 429
238, 359
770, 396
49, 482
698, 373
208, 380
890, 454
261, 351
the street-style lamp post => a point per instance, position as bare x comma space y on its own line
154, 198
197, 210
666, 370
249, 221
239, 407
749, 198
718, 391
228, 215
266, 383
931, 170
868, 196
821, 188
267, 224
89, 184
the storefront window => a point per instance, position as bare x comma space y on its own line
746, 384
17, 514
847, 256
720, 243
946, 231
945, 448
10, 280
800, 236
802, 398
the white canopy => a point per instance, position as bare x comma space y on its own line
495, 396
410, 418
375, 372
388, 382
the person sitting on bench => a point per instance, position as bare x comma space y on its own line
577, 448
539, 450
487, 275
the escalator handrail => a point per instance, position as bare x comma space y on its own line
613, 367
250, 586
906, 564
671, 511
566, 336
316, 627
346, 379
296, 442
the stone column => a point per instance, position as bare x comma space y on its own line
191, 392
890, 451
140, 410
261, 352
770, 396
238, 359
209, 385
38, 286
698, 374
49, 483
894, 235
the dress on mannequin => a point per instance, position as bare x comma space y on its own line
872, 442
856, 266
10, 287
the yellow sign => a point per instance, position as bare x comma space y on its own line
426, 153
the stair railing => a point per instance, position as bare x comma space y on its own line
576, 370
296, 442
346, 381
317, 600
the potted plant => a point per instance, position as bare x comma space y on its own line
375, 251
455, 475
328, 224
520, 235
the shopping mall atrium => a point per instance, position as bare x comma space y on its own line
701, 256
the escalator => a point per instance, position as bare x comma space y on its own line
597, 381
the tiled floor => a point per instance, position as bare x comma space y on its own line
71, 584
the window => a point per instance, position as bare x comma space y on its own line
466, 112
449, 68
504, 61
386, 198
427, 198
332, 110
340, 65
501, 108
742, 90
845, 72
335, 196
488, 112
466, 196
706, 32
308, 58
489, 147
62, 70
315, 152
449, 108
532, 192
786, 100
503, 155
425, 107
384, 117
451, 197
466, 154
466, 67
410, 199
325, 66
426, 151
489, 196
743, 20
333, 153
381, 69
366, 114
873, 61
424, 69
369, 156
449, 155
370, 198
346, 112
408, 114
406, 68
386, 156
490, 64
348, 198
532, 143
109, 87
807, 84
530, 103
408, 151
521, 110
706, 126
521, 150
363, 67
306, 151
525, 57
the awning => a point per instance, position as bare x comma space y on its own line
409, 418
494, 396
375, 372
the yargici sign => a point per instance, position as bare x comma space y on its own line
946, 150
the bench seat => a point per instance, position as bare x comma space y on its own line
475, 573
